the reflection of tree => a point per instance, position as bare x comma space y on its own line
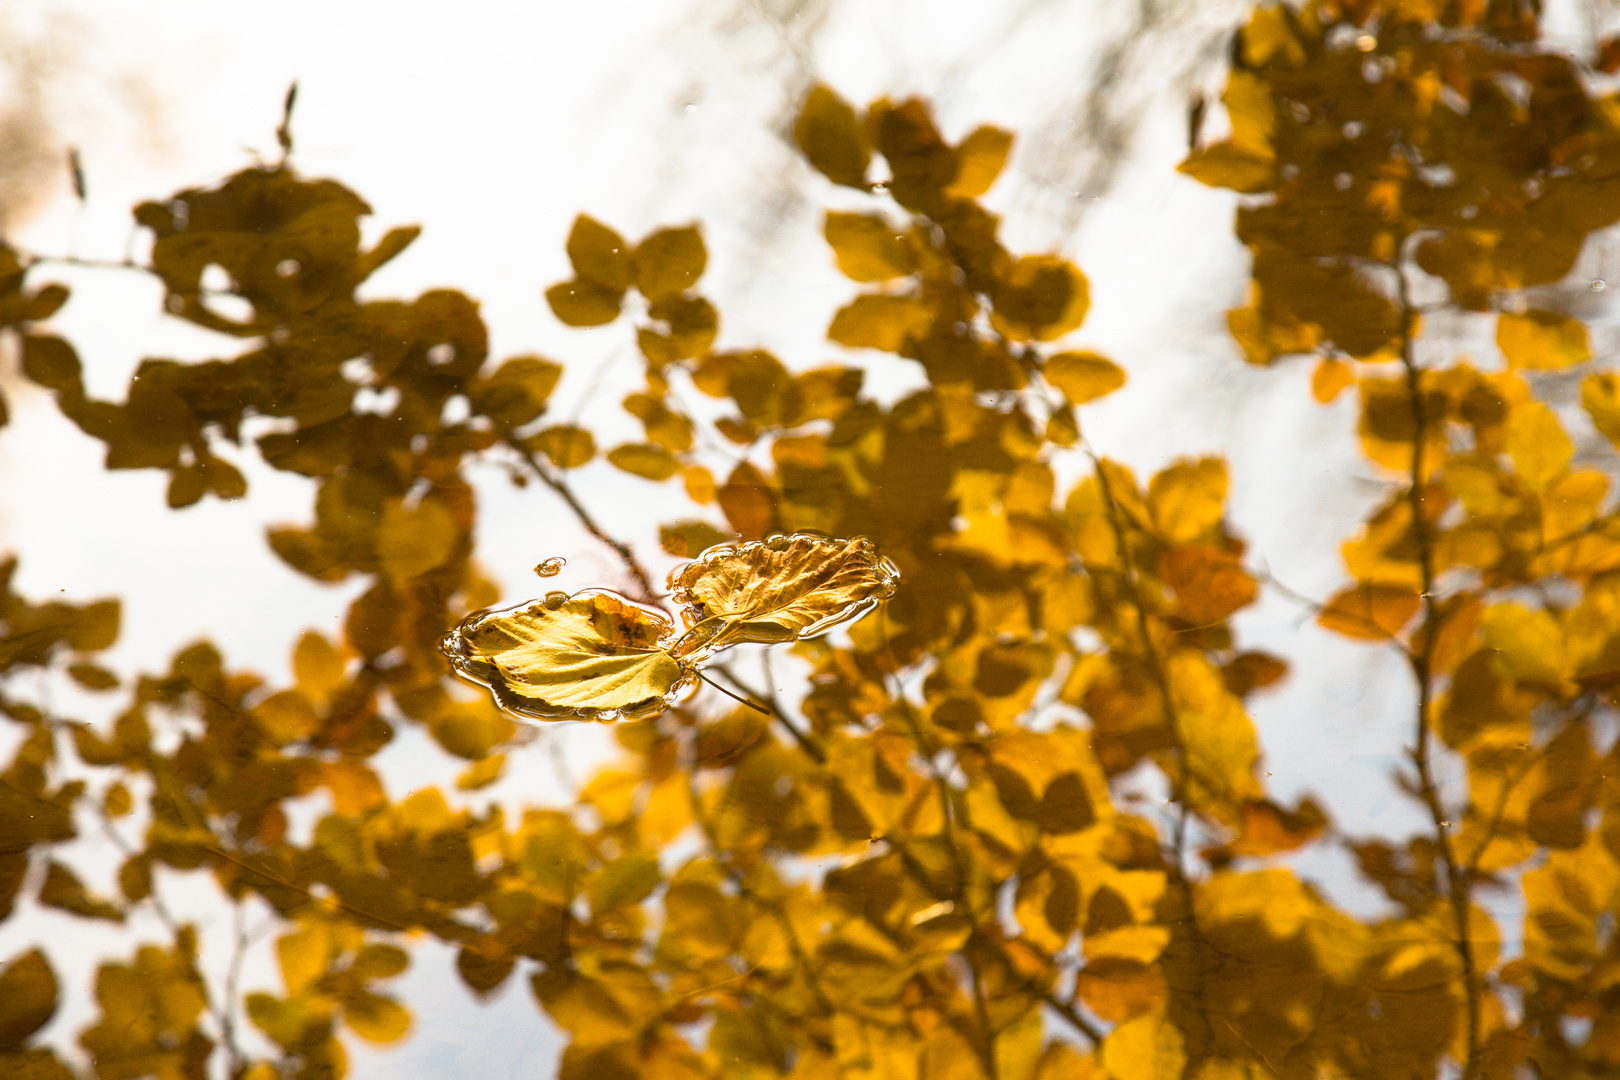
930, 862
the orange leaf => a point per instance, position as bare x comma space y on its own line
1370, 611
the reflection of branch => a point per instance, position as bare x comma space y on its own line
221, 1014
807, 742
558, 485
1422, 664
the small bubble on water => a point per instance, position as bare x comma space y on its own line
1599, 285
555, 600
777, 542
551, 567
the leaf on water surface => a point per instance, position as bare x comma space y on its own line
591, 656
596, 655
781, 589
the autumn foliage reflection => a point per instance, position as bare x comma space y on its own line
925, 870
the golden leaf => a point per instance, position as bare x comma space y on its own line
1186, 499
1330, 379
1147, 1047
781, 589
1041, 297
1538, 445
27, 998
1228, 165
1600, 394
1542, 340
599, 255
979, 160
875, 321
413, 540
669, 262
583, 303
644, 460
830, 136
1083, 376
867, 247
594, 655
566, 445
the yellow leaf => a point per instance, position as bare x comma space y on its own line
1227, 165
63, 890
583, 303
1187, 499
516, 392
376, 1018
830, 137
1528, 643
874, 321
781, 589
1253, 115
1330, 379
1083, 376
980, 158
1538, 445
1600, 394
644, 460
689, 539
567, 446
867, 247
1041, 297
413, 540
318, 666
593, 655
482, 773
599, 255
629, 879
303, 955
669, 262
1147, 1047
1370, 611
27, 998
1117, 989
1542, 340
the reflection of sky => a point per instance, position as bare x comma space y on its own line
492, 128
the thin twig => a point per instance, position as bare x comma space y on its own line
556, 484
807, 742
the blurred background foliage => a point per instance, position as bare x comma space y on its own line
1011, 825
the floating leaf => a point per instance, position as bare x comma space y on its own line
1330, 379
594, 655
1041, 297
516, 392
583, 303
1600, 395
781, 589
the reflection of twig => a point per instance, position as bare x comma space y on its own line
558, 485
221, 1014
1422, 665
806, 741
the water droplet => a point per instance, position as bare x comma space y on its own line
287, 268
777, 542
441, 354
1445, 824
1599, 285
555, 600
551, 567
